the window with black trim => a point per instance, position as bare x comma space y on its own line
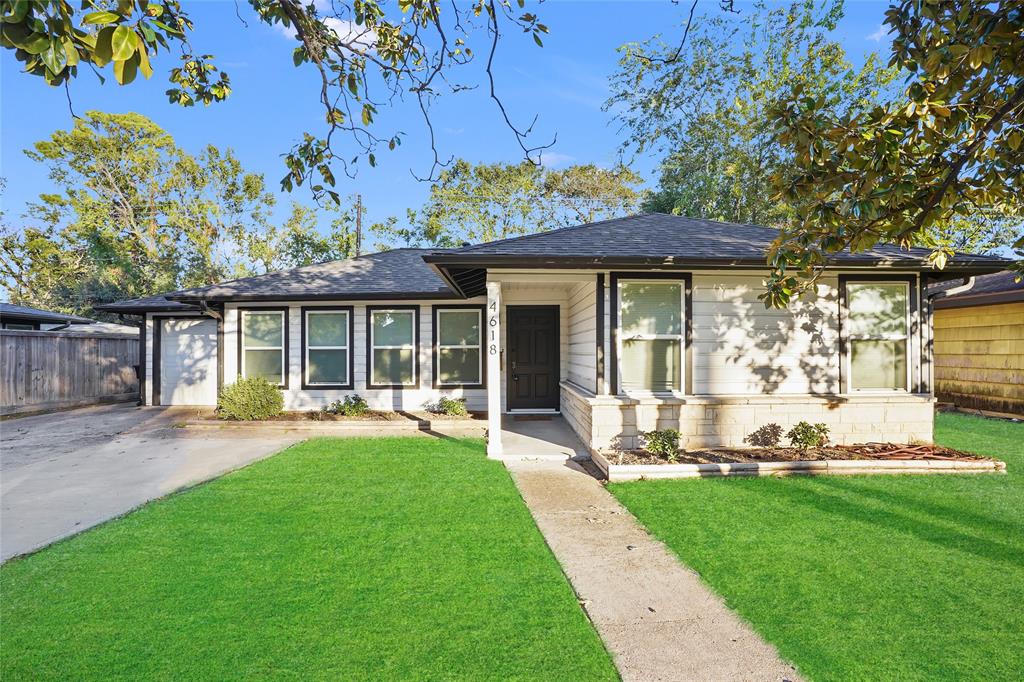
877, 333
458, 346
328, 352
263, 345
651, 335
392, 346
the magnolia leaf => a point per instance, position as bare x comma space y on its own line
123, 43
101, 18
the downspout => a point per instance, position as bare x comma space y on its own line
929, 301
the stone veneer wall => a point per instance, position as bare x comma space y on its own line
609, 422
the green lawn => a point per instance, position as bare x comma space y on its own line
338, 559
856, 578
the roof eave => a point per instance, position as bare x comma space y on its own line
363, 296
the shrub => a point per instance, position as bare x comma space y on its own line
252, 398
805, 435
767, 436
352, 406
452, 407
662, 443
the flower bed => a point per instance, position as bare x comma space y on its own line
779, 461
373, 422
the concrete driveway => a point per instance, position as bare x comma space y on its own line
62, 473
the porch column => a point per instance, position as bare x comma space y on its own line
494, 369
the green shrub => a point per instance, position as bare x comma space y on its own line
767, 436
661, 443
352, 406
252, 398
452, 407
805, 435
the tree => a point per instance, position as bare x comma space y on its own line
903, 172
300, 242
131, 214
368, 54
702, 104
483, 202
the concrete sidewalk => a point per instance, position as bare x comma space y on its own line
657, 618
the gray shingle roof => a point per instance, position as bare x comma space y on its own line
400, 273
659, 237
146, 304
998, 287
9, 310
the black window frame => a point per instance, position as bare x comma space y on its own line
434, 310
304, 335
240, 331
370, 310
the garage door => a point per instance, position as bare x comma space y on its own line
188, 362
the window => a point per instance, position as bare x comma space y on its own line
262, 343
328, 356
19, 326
877, 331
392, 347
457, 346
651, 321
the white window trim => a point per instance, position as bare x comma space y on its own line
850, 338
681, 337
347, 383
478, 346
410, 346
284, 334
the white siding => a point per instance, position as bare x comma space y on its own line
296, 398
742, 348
582, 323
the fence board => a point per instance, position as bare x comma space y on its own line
49, 370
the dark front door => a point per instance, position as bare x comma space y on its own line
532, 357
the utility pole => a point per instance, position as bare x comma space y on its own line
359, 224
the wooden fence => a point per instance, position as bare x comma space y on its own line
979, 357
51, 370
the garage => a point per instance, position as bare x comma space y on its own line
187, 361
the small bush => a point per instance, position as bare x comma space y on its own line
249, 399
317, 415
352, 406
662, 443
805, 435
767, 436
452, 407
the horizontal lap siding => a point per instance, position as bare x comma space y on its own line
979, 356
739, 347
582, 361
297, 398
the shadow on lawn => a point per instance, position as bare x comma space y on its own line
948, 513
816, 494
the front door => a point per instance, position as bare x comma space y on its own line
532, 369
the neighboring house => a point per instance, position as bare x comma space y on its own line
622, 326
32, 319
979, 345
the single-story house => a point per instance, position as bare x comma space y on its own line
23, 318
979, 344
625, 325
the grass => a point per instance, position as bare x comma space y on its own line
854, 578
342, 559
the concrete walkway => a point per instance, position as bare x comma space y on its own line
655, 616
64, 472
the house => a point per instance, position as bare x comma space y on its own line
626, 325
979, 344
23, 318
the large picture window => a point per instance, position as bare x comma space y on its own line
651, 335
263, 344
392, 347
877, 330
328, 347
457, 346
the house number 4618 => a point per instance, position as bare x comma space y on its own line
492, 322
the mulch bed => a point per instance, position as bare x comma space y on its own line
867, 451
371, 416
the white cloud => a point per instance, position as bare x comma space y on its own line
877, 36
348, 31
554, 159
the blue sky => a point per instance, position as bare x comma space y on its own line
564, 83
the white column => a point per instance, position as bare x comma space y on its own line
493, 336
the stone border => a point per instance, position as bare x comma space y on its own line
397, 427
616, 473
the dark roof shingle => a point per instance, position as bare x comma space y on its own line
9, 310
